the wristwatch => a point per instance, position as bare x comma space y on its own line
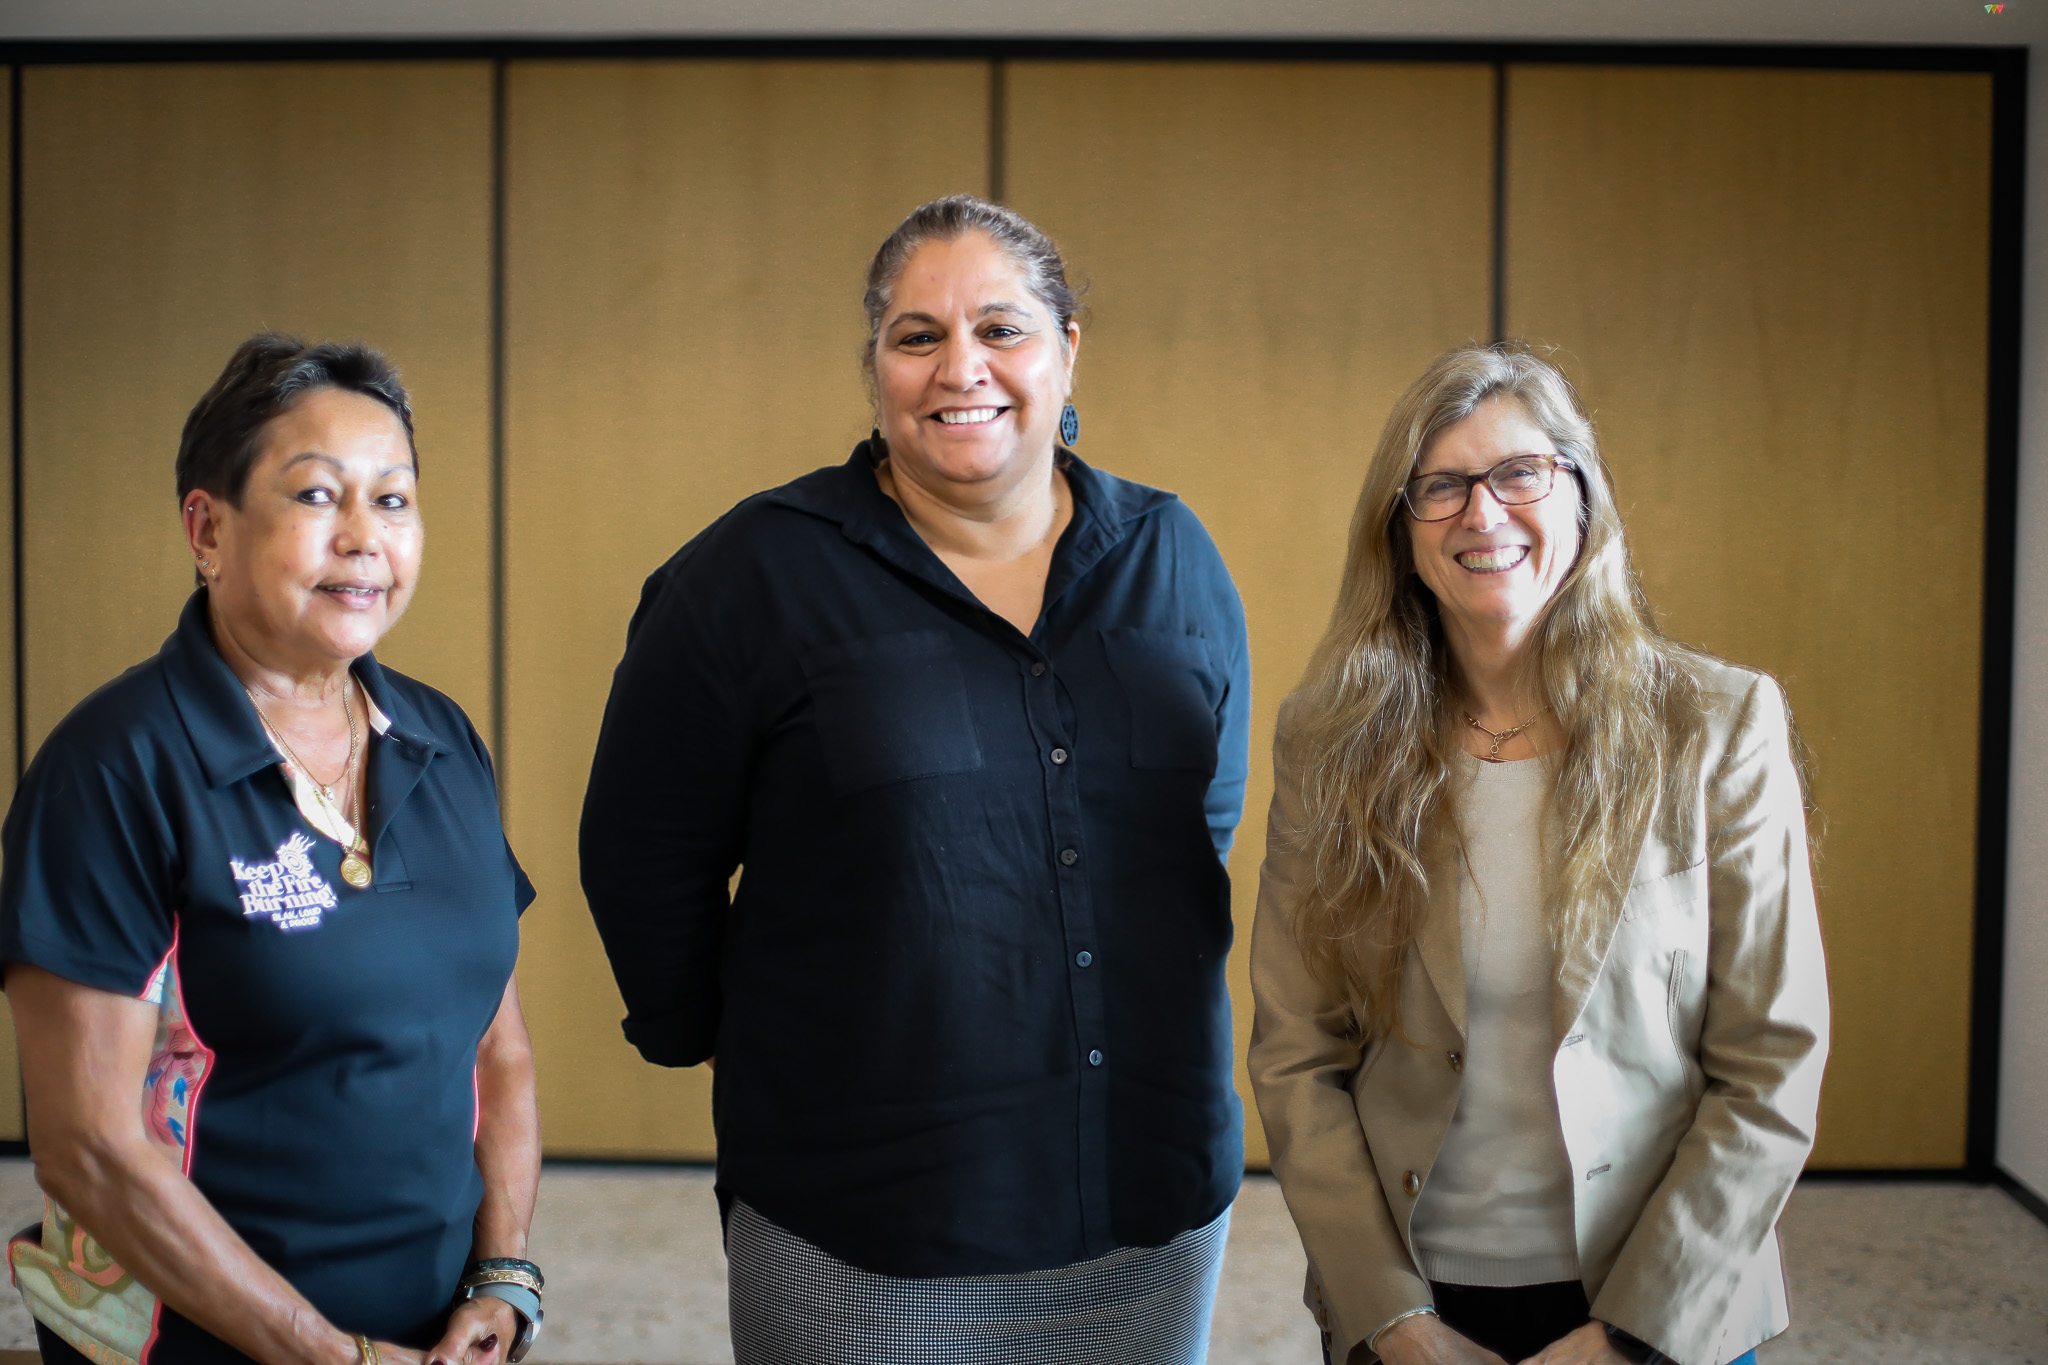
1632, 1349
525, 1305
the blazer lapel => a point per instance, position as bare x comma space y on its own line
1441, 941
1580, 968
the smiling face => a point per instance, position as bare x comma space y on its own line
1495, 568
321, 557
971, 370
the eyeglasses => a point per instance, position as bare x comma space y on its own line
1513, 482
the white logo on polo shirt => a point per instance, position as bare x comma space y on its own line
288, 890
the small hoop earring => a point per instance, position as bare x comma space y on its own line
1070, 425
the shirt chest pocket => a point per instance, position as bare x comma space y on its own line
890, 708
1173, 687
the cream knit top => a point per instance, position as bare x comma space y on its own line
1497, 1207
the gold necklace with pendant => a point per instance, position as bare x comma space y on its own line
355, 862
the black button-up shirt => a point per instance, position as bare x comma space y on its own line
968, 1002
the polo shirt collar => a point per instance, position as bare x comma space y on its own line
1105, 509
228, 739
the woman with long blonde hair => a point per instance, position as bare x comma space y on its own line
1541, 1007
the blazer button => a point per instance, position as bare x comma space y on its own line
1412, 1183
1457, 1061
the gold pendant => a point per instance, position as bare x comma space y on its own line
355, 871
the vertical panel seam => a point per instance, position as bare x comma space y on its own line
16, 400
1499, 282
497, 424
998, 128
1997, 692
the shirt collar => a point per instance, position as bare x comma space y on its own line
1105, 508
219, 719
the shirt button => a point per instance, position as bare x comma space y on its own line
1082, 959
1095, 1059
1038, 670
1069, 857
1457, 1060
1059, 755
1412, 1183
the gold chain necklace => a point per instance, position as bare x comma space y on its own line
1500, 737
355, 863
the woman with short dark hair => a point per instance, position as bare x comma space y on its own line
263, 870
1541, 1006
972, 716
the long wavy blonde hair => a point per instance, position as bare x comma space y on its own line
1377, 720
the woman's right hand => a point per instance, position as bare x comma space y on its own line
1424, 1340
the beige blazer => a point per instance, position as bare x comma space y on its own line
1689, 1034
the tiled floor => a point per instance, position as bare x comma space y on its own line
1883, 1274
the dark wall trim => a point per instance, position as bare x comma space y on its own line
2021, 1194
2001, 569
2006, 65
615, 1163
1849, 56
1887, 1175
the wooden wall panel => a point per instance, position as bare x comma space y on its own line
1275, 251
12, 1128
1772, 286
169, 212
686, 242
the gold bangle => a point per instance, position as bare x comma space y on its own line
366, 1351
518, 1277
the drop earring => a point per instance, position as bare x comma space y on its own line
1070, 425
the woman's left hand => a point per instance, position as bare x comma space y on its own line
1586, 1346
480, 1331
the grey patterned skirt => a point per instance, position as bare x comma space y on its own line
792, 1304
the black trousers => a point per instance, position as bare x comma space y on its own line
57, 1351
1513, 1323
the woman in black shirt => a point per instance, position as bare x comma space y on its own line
972, 716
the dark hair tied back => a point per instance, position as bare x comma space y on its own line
267, 375
943, 220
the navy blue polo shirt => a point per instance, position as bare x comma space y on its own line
335, 1122
969, 1001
